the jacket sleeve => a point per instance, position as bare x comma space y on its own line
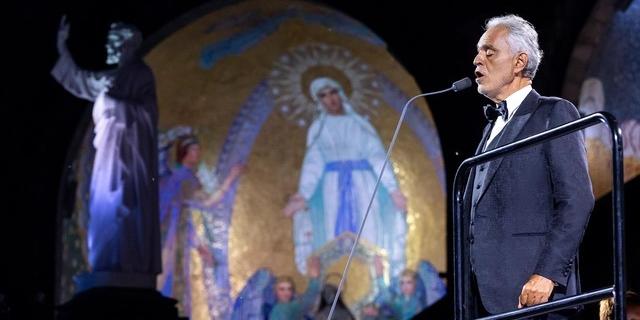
572, 196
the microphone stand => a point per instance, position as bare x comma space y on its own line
457, 86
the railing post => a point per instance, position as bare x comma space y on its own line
459, 255
617, 199
460, 277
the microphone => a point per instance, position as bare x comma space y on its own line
455, 87
461, 84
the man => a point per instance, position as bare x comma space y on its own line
529, 209
123, 228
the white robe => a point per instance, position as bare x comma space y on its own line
123, 229
338, 139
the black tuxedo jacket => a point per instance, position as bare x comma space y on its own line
528, 210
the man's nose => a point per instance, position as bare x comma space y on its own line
477, 60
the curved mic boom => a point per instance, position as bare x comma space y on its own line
455, 87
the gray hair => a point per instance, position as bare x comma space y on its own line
522, 38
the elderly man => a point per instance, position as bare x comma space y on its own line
528, 210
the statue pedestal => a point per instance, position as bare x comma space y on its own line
118, 303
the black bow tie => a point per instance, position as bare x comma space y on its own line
492, 112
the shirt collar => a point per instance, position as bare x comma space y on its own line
515, 99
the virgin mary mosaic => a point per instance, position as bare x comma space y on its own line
274, 120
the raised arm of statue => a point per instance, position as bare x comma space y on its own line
81, 83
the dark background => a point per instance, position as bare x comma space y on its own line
435, 42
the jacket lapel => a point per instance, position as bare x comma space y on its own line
485, 136
472, 171
510, 133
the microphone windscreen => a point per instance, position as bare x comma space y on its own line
462, 84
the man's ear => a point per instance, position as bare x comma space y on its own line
520, 62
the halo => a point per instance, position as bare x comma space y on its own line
324, 71
293, 72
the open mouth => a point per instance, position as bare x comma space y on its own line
479, 75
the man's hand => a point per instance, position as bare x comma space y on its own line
537, 290
63, 35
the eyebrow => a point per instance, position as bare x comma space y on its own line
485, 47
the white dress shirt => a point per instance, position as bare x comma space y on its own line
513, 103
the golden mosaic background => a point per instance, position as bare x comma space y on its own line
208, 100
601, 166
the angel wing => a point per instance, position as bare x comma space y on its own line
434, 286
256, 298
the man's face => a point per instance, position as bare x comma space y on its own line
284, 291
331, 100
495, 64
407, 285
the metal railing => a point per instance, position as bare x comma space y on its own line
461, 279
